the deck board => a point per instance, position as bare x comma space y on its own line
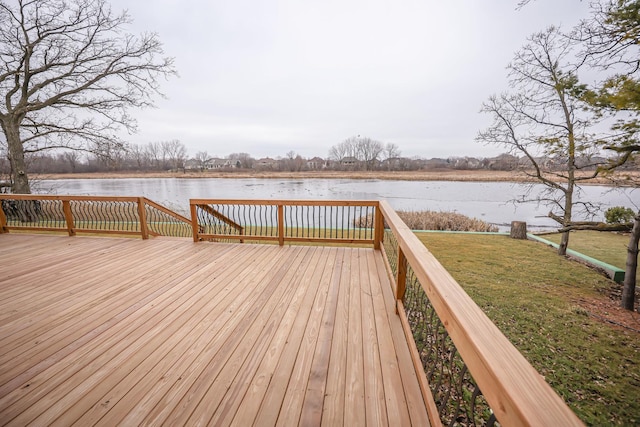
101, 331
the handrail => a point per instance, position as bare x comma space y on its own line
319, 221
123, 215
169, 212
515, 391
221, 217
276, 202
69, 197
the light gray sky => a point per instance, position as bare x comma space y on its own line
270, 76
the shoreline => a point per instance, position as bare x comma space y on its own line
423, 175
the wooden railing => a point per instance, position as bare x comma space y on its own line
90, 214
310, 221
469, 372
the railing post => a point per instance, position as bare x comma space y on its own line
3, 221
68, 216
142, 214
281, 225
378, 228
194, 222
401, 279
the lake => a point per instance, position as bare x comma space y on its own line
489, 201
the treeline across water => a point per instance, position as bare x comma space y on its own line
172, 156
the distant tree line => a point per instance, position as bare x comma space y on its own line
353, 154
154, 156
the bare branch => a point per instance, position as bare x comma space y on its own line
70, 75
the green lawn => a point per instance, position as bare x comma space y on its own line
535, 297
607, 247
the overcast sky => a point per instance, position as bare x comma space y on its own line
270, 76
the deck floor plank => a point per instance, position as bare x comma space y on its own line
130, 316
376, 411
126, 347
252, 345
270, 406
314, 396
354, 413
102, 400
106, 331
249, 406
176, 379
188, 380
71, 300
333, 408
307, 283
294, 397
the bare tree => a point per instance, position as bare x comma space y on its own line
391, 151
69, 76
139, 157
108, 156
347, 148
294, 162
174, 154
391, 155
369, 152
366, 150
546, 117
153, 152
72, 157
202, 158
245, 159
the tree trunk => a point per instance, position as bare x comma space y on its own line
518, 230
568, 207
629, 287
564, 244
20, 180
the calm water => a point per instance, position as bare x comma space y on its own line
490, 201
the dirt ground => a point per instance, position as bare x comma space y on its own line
608, 310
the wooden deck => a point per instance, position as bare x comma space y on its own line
106, 331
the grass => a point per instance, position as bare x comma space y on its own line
604, 246
536, 298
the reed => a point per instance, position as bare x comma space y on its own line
432, 220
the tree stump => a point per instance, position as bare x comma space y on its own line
518, 230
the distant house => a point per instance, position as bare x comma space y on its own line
266, 163
504, 161
316, 163
398, 164
221, 164
348, 161
192, 164
436, 163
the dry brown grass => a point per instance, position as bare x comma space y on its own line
423, 175
432, 220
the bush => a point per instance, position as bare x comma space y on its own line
619, 215
430, 220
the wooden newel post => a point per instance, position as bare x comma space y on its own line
281, 225
68, 217
518, 230
142, 214
3, 221
194, 222
401, 279
378, 228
